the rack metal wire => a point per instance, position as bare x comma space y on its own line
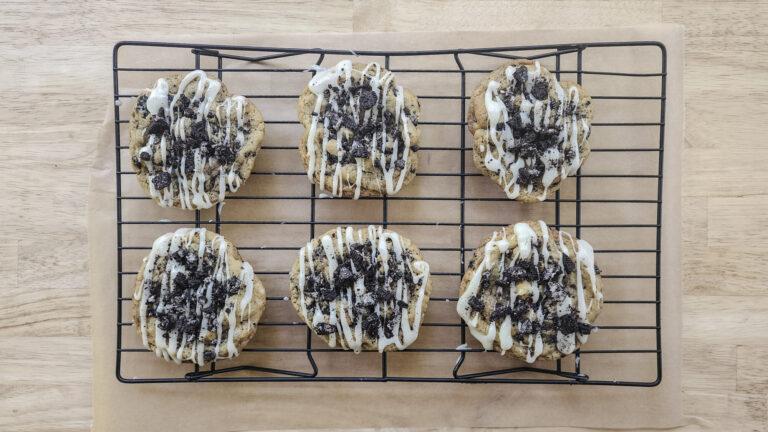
558, 373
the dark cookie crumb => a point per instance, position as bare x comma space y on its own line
476, 304
567, 324
500, 311
371, 326
367, 99
323, 329
158, 126
568, 264
521, 75
584, 328
161, 180
540, 89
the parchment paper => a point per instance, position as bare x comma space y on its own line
300, 405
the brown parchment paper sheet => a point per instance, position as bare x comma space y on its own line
302, 405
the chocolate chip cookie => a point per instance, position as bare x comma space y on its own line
361, 289
362, 133
195, 299
192, 142
531, 292
530, 131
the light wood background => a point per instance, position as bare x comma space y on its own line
55, 75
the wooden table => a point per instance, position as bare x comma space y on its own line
56, 80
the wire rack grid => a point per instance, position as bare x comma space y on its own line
250, 367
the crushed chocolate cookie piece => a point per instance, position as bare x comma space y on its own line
224, 154
485, 279
556, 291
323, 329
523, 270
597, 270
476, 304
400, 163
145, 156
356, 254
527, 176
157, 126
328, 293
192, 325
525, 327
209, 355
519, 311
199, 132
367, 300
183, 102
384, 293
233, 285
371, 326
569, 155
344, 277
368, 99
360, 151
568, 264
181, 282
389, 326
521, 75
505, 280
540, 89
583, 328
500, 311
348, 122
141, 103
549, 274
161, 180
166, 322
567, 324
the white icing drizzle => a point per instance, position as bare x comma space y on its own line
529, 247
381, 85
191, 188
168, 346
538, 116
340, 316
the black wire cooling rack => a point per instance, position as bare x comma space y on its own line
260, 60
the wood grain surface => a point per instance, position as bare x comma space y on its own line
56, 80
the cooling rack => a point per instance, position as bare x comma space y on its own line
440, 359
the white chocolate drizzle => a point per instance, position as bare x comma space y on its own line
536, 249
192, 188
351, 299
169, 344
502, 152
324, 85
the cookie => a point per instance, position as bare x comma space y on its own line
531, 292
529, 130
361, 289
362, 133
192, 142
196, 300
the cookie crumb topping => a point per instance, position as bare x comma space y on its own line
356, 285
192, 141
535, 131
191, 292
359, 128
531, 293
